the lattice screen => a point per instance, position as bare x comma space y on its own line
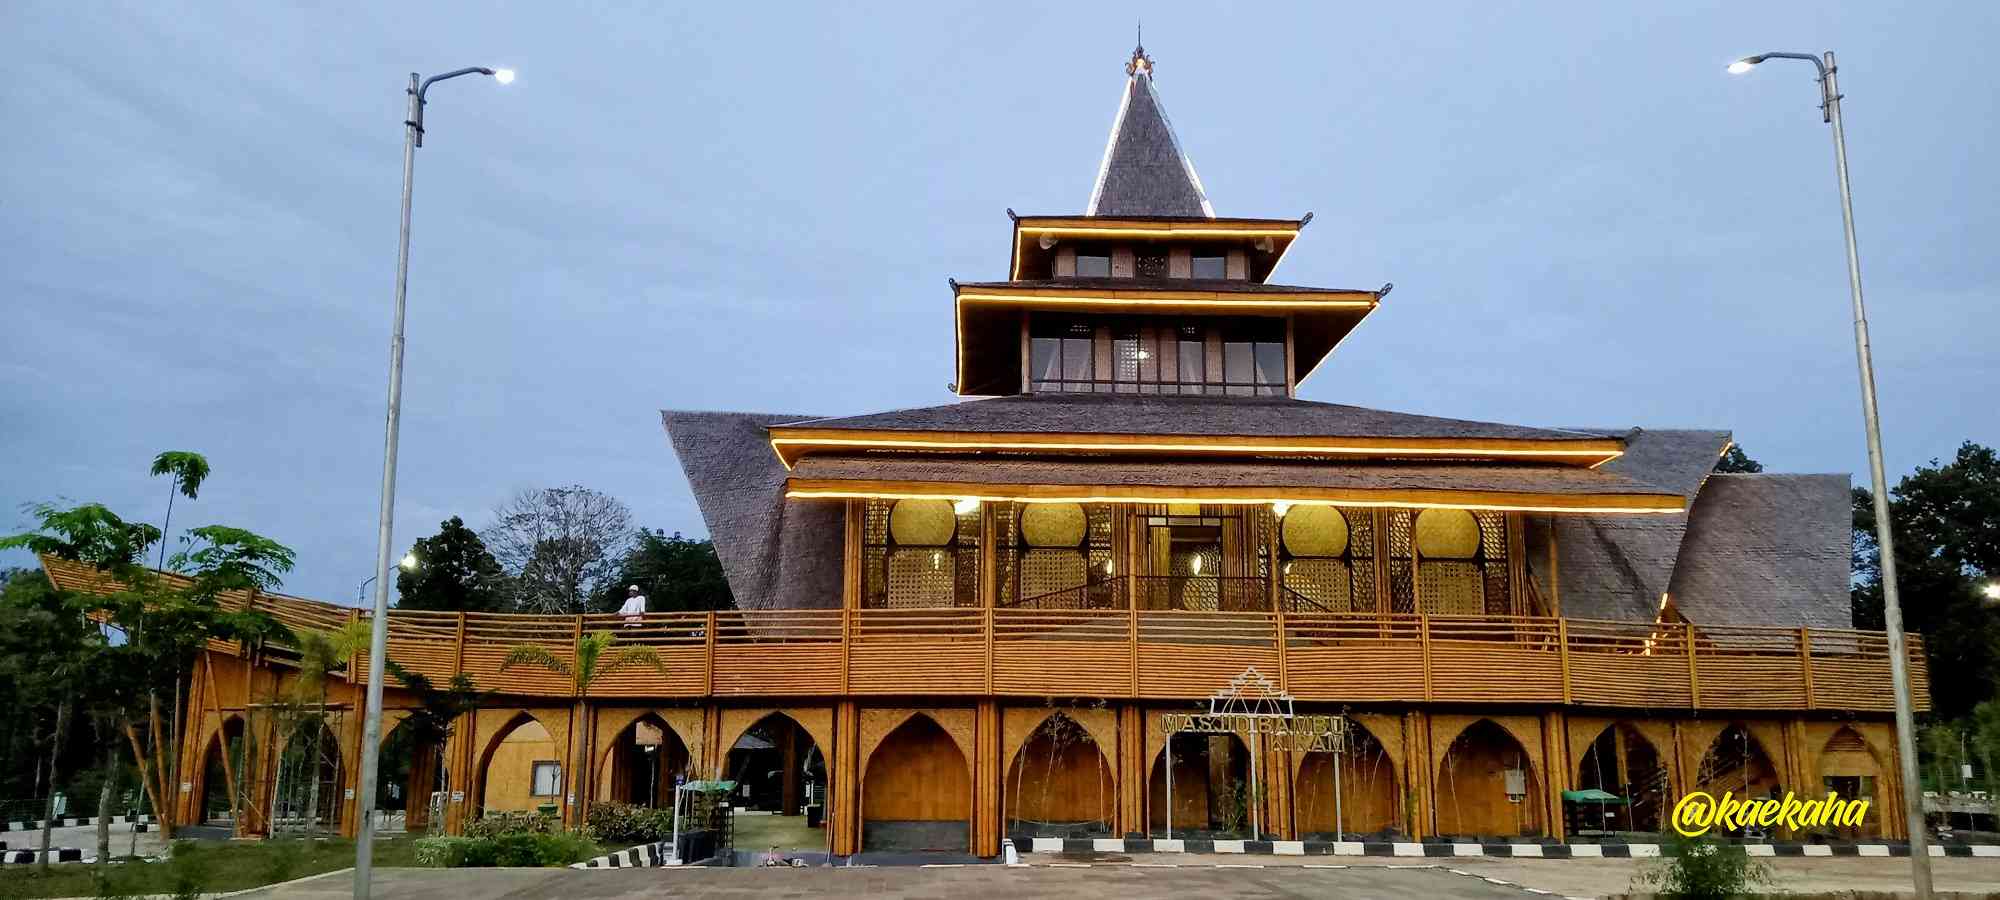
875, 553
1402, 577
1361, 557
1493, 557
1007, 549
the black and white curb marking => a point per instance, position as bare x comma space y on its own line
1409, 849
24, 857
73, 823
642, 856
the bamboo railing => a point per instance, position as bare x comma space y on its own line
1151, 654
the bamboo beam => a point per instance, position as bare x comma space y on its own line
1805, 663
1694, 677
1562, 648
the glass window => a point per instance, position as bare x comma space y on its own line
1193, 360
1270, 367
1156, 355
1044, 360
1237, 369
547, 779
1210, 267
1091, 266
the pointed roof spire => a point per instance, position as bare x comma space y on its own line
1144, 172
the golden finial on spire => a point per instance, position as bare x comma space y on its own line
1140, 63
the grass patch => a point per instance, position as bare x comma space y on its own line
202, 866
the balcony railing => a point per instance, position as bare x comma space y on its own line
1073, 646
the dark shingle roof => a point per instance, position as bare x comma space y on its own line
1616, 567
1144, 172
1254, 479
1206, 416
776, 554
1767, 550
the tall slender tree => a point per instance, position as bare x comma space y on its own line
592, 663
188, 470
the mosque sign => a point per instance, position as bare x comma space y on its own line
1253, 708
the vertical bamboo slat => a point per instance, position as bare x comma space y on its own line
1694, 678
1562, 648
1424, 635
1805, 663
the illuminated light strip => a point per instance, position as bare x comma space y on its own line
1157, 231
843, 494
1292, 301
1447, 452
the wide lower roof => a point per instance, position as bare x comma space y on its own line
1185, 425
987, 316
1541, 488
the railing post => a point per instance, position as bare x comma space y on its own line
846, 644
1562, 648
1424, 635
1278, 613
708, 655
1694, 678
1805, 662
1132, 613
987, 619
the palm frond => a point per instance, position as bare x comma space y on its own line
634, 656
535, 655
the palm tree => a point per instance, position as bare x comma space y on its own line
321, 653
189, 469
592, 663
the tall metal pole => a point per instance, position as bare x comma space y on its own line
371, 731
1892, 608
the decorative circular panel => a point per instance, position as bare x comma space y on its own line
1315, 531
922, 523
1447, 534
1052, 524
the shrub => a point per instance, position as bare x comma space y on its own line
188, 871
281, 862
1699, 867
563, 848
443, 852
496, 824
479, 853
623, 823
517, 849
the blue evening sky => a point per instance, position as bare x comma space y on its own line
755, 206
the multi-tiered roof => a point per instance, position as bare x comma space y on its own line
1153, 299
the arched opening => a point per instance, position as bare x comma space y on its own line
1622, 763
1368, 801
1736, 763
1848, 768
916, 793
641, 765
307, 796
411, 786
1212, 796
521, 770
1486, 786
217, 806
1060, 783
784, 771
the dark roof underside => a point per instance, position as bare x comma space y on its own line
776, 554
1144, 172
1203, 416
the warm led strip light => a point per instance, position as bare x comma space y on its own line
837, 494
1294, 301
1602, 456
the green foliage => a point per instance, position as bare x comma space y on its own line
676, 574
556, 849
431, 722
220, 558
591, 660
1947, 528
284, 860
1735, 460
89, 533
445, 852
188, 468
189, 871
454, 572
494, 824
1702, 868
624, 823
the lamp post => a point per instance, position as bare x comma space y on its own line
378, 639
1892, 610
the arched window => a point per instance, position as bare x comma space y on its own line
919, 553
1327, 558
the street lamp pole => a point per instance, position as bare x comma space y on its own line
1892, 609
378, 639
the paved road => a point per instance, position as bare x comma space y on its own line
966, 883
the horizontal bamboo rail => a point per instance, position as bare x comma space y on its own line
1145, 653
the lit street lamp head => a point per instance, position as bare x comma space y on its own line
504, 76
409, 563
1744, 65
1991, 590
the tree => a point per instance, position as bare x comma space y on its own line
321, 653
454, 572
1735, 460
591, 664
676, 574
189, 470
1947, 526
48, 647
437, 713
560, 545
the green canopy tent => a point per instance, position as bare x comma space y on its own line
1593, 795
1577, 803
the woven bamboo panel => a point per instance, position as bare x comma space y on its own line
903, 667
921, 577
1451, 588
776, 670
1196, 672
1327, 582
1045, 571
1045, 667
1471, 672
1389, 670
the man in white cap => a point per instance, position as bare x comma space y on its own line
635, 606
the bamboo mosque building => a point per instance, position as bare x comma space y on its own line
989, 617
